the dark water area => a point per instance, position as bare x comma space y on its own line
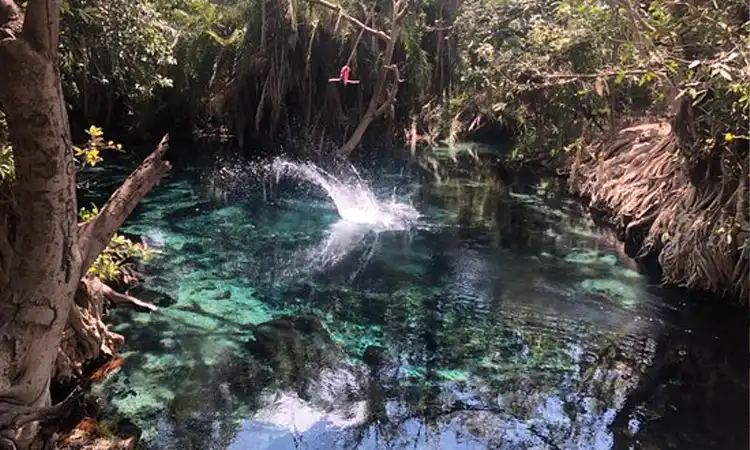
503, 319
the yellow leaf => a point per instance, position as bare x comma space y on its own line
94, 131
92, 157
728, 137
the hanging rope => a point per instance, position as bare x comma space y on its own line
344, 73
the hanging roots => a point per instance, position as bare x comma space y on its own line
639, 179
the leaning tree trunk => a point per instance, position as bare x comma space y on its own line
43, 251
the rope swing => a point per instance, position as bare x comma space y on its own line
346, 70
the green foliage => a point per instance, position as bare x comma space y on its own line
555, 70
113, 50
120, 251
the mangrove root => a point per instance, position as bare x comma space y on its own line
639, 179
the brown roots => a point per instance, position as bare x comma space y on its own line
639, 179
86, 337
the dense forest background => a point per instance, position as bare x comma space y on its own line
551, 72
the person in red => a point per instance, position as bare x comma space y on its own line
344, 77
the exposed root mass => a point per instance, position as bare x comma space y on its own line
87, 337
699, 232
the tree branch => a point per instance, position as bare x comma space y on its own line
11, 20
42, 25
333, 7
123, 299
95, 235
375, 108
392, 92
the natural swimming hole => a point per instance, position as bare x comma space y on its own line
473, 317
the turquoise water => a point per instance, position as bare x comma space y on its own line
503, 319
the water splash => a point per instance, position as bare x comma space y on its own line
354, 200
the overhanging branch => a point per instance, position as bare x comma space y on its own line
353, 20
124, 299
95, 235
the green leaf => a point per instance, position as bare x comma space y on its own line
620, 76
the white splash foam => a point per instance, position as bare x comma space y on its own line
354, 201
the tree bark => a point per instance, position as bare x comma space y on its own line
41, 261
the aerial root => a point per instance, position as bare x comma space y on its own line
87, 337
639, 179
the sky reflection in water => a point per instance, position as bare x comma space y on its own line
498, 322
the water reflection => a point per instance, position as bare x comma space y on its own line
508, 323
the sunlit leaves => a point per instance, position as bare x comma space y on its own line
543, 61
7, 167
119, 252
90, 154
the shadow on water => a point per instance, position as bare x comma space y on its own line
504, 319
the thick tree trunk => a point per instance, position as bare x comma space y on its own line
41, 260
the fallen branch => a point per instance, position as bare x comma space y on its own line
561, 79
95, 235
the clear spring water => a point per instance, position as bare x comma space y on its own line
316, 312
